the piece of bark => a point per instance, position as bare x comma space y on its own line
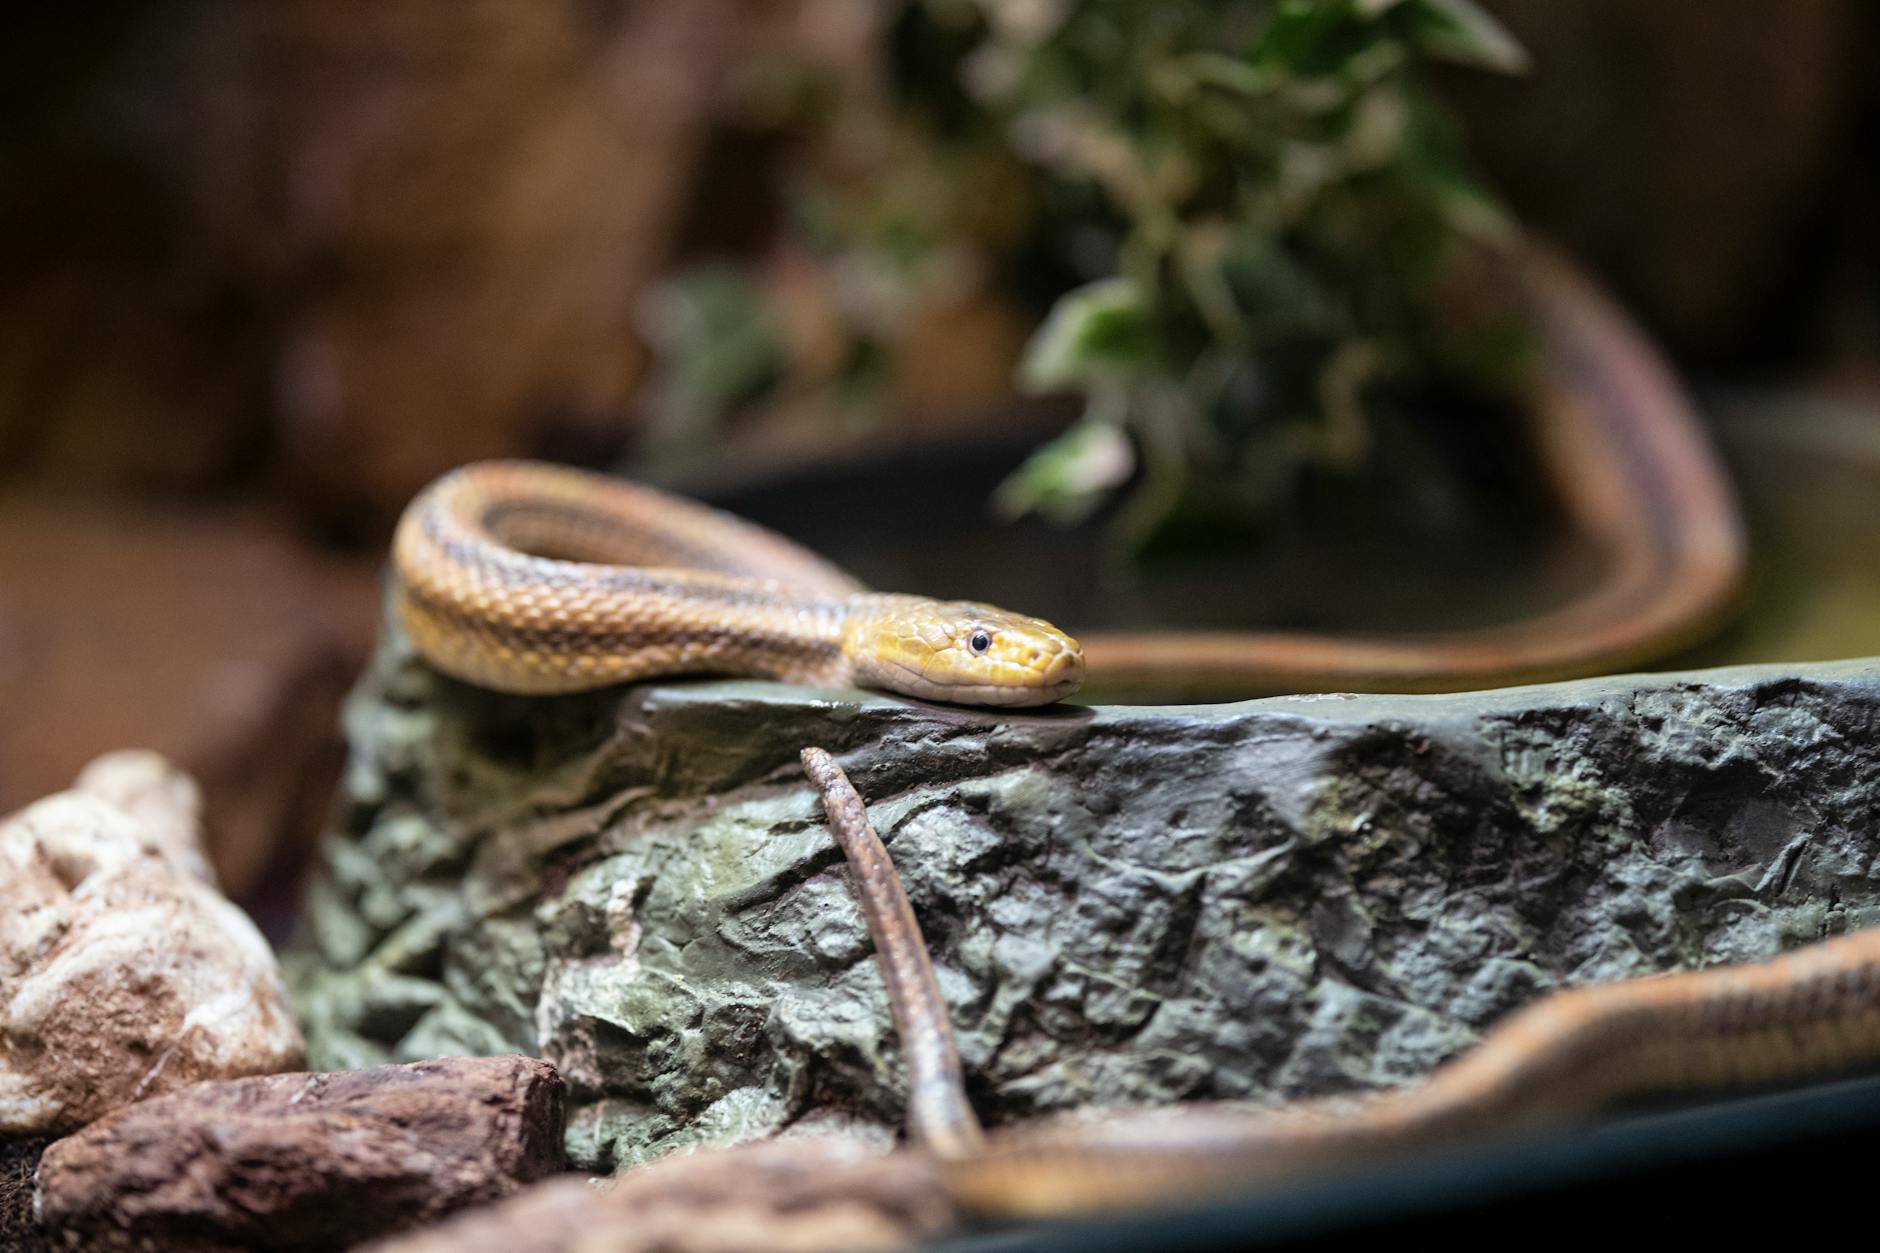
304, 1161
807, 1193
123, 972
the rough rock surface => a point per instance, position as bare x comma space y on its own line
810, 1193
1275, 898
123, 972
159, 798
304, 1161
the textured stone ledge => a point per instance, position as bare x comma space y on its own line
1127, 904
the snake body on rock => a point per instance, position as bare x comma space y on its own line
1811, 1012
535, 579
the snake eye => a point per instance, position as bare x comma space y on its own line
980, 641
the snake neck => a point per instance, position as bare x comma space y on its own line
868, 618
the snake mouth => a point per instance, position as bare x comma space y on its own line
1062, 678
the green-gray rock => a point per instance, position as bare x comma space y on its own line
1150, 904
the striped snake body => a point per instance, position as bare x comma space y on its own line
534, 578
1809, 1013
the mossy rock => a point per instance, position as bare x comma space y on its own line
1126, 904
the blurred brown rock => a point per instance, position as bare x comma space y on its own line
210, 635
126, 974
357, 243
304, 1161
474, 196
808, 1194
134, 323
1698, 156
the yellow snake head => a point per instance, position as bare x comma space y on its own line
961, 652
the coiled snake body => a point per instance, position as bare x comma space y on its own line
529, 578
534, 578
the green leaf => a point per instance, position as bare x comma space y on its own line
715, 344
1069, 477
1094, 333
1226, 73
1312, 37
1461, 31
1472, 212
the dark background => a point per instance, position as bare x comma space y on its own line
267, 269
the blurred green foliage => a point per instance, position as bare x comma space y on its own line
718, 347
1240, 219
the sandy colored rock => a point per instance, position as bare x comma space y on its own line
809, 1193
304, 1161
123, 972
161, 799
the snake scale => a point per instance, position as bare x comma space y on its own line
538, 579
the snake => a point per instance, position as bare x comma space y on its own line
1632, 475
533, 578
537, 579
